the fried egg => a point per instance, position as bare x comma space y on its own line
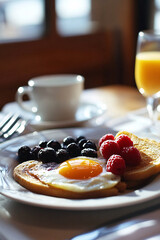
80, 174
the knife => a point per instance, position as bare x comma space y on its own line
123, 225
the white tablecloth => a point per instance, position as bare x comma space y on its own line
21, 221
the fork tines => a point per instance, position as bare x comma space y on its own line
10, 124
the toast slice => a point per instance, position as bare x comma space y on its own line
23, 177
150, 163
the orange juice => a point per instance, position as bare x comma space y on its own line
147, 72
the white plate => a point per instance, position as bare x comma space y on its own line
86, 112
13, 190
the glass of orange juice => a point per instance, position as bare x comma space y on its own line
147, 71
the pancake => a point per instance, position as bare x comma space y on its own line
23, 175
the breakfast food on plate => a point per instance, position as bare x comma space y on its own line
77, 168
150, 159
79, 177
70, 169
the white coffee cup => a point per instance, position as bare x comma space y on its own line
53, 97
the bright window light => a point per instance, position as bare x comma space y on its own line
29, 12
79, 10
21, 20
157, 3
73, 8
157, 20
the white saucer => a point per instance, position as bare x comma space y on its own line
86, 112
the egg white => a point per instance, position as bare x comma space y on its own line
104, 180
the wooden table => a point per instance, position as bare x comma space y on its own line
118, 99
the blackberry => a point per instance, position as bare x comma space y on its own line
79, 138
68, 140
90, 144
73, 150
54, 144
35, 151
47, 155
62, 155
89, 152
24, 153
81, 142
43, 144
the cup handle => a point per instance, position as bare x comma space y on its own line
25, 90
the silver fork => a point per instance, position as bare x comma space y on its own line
11, 124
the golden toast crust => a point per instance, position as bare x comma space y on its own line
150, 155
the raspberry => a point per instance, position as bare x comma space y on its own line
124, 141
131, 156
106, 137
108, 148
116, 165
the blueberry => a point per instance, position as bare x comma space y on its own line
34, 152
73, 150
47, 155
54, 144
67, 141
81, 142
62, 155
79, 138
90, 144
24, 153
43, 144
89, 152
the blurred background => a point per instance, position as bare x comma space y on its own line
94, 38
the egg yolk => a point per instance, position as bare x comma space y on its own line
80, 169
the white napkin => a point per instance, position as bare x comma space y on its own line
145, 227
140, 227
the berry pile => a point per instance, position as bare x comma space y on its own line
119, 153
54, 151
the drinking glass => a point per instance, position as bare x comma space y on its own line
147, 72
